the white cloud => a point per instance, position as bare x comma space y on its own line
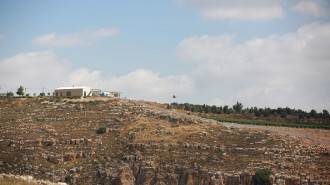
140, 84
36, 70
247, 13
315, 8
33, 70
238, 9
82, 38
279, 70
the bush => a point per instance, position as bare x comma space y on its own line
68, 178
262, 177
257, 114
20, 91
301, 116
10, 94
58, 99
101, 130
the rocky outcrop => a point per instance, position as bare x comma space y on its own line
178, 175
126, 176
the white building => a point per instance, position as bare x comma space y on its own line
72, 91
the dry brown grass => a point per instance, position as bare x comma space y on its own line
315, 133
149, 130
15, 181
321, 134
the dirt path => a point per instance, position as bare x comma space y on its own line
237, 125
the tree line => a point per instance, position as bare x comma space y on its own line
258, 112
20, 92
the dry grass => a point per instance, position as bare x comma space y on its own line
161, 131
15, 181
315, 133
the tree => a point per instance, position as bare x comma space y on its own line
200, 109
214, 109
207, 109
301, 116
257, 113
219, 110
226, 109
10, 94
325, 114
193, 108
288, 111
42, 94
231, 110
283, 115
313, 113
262, 177
20, 91
238, 107
266, 112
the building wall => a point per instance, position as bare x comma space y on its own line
74, 91
68, 92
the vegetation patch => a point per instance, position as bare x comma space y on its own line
266, 114
262, 177
274, 123
101, 130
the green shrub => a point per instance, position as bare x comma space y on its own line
58, 99
101, 130
257, 114
10, 94
68, 178
274, 123
262, 177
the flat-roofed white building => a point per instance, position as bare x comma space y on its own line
72, 91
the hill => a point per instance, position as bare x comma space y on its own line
116, 141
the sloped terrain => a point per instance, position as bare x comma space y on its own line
58, 141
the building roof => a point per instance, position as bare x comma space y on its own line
63, 88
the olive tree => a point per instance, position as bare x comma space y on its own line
20, 91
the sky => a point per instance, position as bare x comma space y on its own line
273, 53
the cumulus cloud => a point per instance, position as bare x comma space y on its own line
238, 9
279, 70
316, 8
82, 38
36, 70
139, 84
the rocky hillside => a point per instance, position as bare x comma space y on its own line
62, 141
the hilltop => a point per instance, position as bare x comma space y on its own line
118, 141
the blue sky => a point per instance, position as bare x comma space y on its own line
261, 53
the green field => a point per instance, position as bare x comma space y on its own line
274, 123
